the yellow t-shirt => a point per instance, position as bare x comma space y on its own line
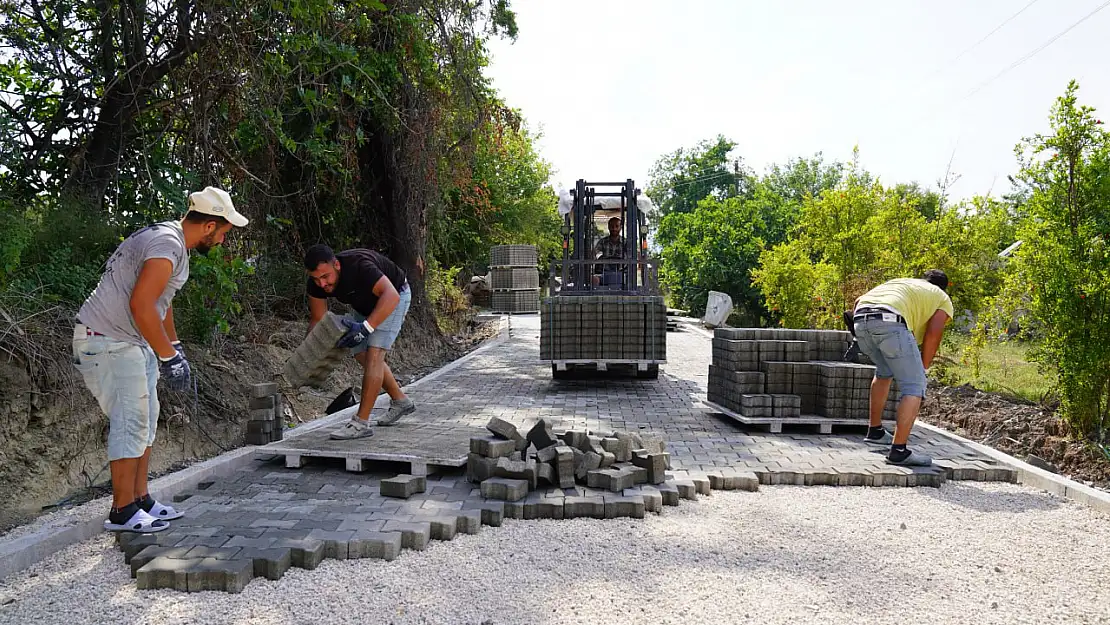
916, 300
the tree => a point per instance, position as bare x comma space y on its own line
860, 233
681, 179
1060, 276
714, 248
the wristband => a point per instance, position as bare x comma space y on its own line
160, 359
366, 324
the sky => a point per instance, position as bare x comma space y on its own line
612, 85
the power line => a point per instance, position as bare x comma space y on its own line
988, 35
1030, 55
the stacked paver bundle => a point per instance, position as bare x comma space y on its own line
514, 278
267, 415
603, 327
788, 374
316, 356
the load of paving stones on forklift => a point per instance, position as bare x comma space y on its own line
604, 312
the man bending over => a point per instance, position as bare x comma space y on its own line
379, 292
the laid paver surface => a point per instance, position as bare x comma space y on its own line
279, 518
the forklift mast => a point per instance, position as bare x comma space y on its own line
637, 275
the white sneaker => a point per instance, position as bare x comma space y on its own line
355, 428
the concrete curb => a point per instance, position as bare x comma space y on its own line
20, 553
1035, 477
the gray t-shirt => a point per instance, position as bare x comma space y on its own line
108, 308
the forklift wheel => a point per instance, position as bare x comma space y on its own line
652, 373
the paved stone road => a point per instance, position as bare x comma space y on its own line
262, 521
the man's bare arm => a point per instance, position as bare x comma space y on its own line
170, 328
151, 283
934, 330
388, 297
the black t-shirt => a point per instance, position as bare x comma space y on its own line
359, 270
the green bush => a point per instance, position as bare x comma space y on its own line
1060, 276
448, 301
210, 301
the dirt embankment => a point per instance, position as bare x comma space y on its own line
52, 433
1017, 428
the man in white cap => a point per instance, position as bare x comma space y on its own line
125, 340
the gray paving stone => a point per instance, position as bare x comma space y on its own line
304, 553
479, 468
624, 506
378, 545
653, 499
541, 436
335, 543
550, 508
403, 486
492, 446
701, 485
504, 489
515, 510
155, 551
469, 521
216, 574
655, 463
164, 573
669, 493
271, 563
584, 507
443, 527
414, 535
516, 470
508, 431
492, 512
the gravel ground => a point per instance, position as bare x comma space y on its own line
981, 553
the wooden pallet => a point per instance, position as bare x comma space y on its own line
421, 446
824, 424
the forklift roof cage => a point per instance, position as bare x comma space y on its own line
579, 272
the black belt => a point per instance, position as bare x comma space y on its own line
864, 314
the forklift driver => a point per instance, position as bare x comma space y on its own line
612, 247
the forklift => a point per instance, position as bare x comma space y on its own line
604, 314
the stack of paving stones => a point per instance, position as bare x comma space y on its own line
315, 358
267, 415
514, 279
603, 327
790, 374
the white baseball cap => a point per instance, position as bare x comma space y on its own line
215, 201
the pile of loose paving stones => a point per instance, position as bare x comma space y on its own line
508, 466
247, 527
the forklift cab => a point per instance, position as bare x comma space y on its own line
584, 268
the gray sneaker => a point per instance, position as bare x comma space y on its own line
885, 439
355, 428
912, 460
397, 409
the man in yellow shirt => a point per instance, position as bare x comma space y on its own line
890, 321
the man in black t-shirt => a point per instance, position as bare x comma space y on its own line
379, 292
